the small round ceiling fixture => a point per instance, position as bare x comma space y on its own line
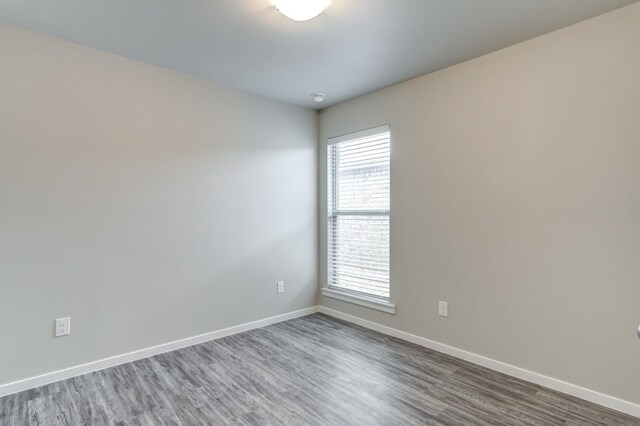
317, 97
301, 10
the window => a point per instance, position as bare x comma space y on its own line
358, 212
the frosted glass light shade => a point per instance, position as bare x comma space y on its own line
301, 10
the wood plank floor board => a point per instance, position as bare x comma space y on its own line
509, 401
315, 371
14, 406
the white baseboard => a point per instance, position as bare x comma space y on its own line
78, 370
555, 384
520, 373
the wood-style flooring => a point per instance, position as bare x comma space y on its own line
312, 370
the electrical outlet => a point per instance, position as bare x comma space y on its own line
280, 287
63, 327
443, 309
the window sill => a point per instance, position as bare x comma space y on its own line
369, 302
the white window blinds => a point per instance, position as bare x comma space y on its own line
358, 211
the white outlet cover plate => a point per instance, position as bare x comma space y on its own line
280, 287
63, 326
443, 309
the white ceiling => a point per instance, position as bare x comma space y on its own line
355, 47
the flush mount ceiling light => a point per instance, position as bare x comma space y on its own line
301, 10
317, 97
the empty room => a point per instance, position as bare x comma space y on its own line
319, 212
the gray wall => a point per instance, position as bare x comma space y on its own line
148, 205
516, 198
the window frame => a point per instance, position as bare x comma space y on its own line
343, 293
